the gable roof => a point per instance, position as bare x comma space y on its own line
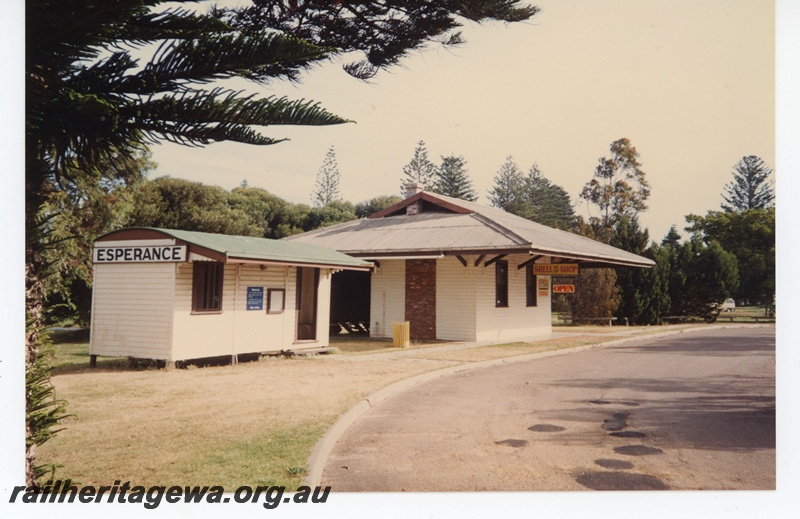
244, 249
449, 226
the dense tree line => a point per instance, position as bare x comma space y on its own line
729, 253
688, 281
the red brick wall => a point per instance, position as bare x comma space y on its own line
421, 298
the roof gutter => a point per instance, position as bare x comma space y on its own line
363, 268
599, 261
414, 257
595, 259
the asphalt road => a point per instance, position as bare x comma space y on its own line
691, 411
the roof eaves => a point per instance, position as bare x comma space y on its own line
438, 251
597, 258
229, 249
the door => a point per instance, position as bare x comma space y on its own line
307, 283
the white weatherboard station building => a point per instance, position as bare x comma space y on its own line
176, 295
457, 270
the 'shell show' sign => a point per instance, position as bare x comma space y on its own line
555, 269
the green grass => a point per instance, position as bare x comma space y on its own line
72, 353
743, 314
277, 458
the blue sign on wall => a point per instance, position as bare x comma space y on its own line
255, 298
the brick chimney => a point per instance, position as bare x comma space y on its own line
412, 188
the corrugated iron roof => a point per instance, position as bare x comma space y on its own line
250, 248
480, 229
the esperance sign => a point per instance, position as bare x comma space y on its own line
139, 254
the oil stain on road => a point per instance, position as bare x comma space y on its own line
618, 480
510, 442
545, 427
614, 464
637, 450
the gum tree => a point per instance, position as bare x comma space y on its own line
619, 188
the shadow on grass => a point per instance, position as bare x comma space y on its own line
69, 335
73, 357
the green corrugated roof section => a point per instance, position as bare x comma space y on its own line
263, 249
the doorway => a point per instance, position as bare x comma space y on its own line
350, 302
307, 284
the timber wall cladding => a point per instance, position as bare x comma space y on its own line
132, 310
421, 298
387, 297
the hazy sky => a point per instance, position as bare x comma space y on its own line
690, 83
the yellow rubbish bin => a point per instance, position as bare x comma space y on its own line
401, 334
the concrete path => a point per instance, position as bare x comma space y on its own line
614, 333
691, 411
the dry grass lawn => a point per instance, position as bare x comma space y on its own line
253, 423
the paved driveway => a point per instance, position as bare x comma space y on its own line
691, 411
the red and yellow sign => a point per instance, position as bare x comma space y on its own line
563, 289
555, 269
543, 286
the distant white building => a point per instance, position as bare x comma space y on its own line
456, 270
175, 295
